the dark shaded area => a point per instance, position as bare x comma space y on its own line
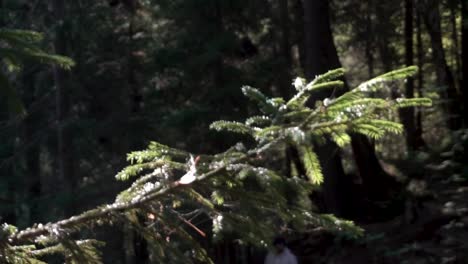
164, 70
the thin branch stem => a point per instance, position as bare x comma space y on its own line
116, 207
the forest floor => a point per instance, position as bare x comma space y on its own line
431, 231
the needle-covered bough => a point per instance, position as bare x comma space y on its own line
177, 199
16, 47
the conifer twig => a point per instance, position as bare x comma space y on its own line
116, 207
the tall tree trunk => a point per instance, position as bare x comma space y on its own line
330, 160
321, 55
219, 71
456, 47
317, 51
430, 13
299, 39
285, 69
33, 173
464, 75
7, 198
137, 250
128, 244
420, 55
376, 182
135, 92
285, 47
65, 174
407, 114
387, 55
369, 39
386, 52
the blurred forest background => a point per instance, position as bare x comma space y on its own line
164, 70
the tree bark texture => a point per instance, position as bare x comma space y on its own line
32, 179
318, 49
321, 56
420, 58
407, 114
369, 39
464, 75
431, 16
285, 48
65, 173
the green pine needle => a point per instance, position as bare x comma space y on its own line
329, 76
235, 127
412, 102
258, 97
312, 164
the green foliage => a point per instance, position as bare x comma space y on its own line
20, 45
16, 47
265, 104
329, 76
232, 126
303, 95
411, 102
258, 121
311, 164
74, 252
173, 190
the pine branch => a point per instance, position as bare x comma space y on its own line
118, 207
222, 186
17, 46
311, 164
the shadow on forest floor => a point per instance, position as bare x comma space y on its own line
430, 231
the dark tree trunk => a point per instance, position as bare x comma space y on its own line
128, 243
420, 55
8, 197
65, 175
322, 58
431, 16
135, 90
219, 64
321, 55
464, 75
407, 114
285, 47
386, 52
33, 173
137, 249
298, 24
369, 39
387, 55
453, 4
376, 182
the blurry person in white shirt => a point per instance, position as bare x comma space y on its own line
280, 253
